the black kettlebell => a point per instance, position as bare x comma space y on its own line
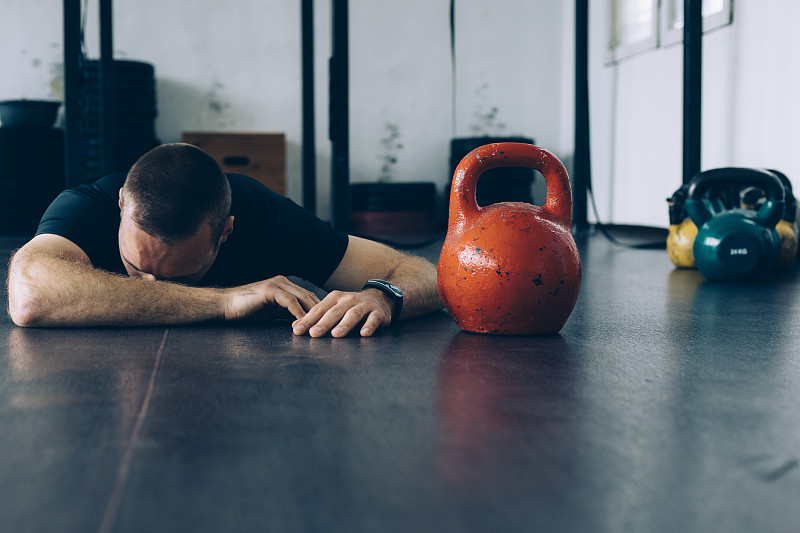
682, 231
735, 244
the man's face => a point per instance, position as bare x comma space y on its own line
147, 257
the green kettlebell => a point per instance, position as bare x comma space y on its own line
735, 244
682, 231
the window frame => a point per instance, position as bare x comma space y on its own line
618, 51
663, 30
673, 34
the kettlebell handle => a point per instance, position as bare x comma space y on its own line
463, 197
769, 214
790, 208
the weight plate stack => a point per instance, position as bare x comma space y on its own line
135, 114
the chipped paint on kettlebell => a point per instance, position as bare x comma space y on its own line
511, 267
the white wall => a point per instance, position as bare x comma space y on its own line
750, 114
236, 67
31, 55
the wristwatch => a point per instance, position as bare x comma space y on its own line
391, 290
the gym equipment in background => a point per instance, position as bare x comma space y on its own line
729, 190
735, 244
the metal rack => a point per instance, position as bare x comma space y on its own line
339, 101
74, 149
692, 87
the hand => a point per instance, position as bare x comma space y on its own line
247, 300
340, 312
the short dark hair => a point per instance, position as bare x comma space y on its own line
175, 188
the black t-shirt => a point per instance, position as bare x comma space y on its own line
271, 234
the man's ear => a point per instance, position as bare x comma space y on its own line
227, 231
120, 197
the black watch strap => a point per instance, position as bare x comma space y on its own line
391, 290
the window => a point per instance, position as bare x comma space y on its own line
638, 25
716, 13
633, 27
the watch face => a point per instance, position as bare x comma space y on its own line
380, 283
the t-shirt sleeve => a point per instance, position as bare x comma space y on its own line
88, 215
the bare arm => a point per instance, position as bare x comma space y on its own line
343, 309
51, 282
415, 276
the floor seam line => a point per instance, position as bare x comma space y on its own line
115, 499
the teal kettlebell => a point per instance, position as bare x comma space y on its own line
735, 244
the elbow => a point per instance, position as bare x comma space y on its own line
24, 306
22, 316
26, 309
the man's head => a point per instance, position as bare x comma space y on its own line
175, 212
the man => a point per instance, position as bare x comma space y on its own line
178, 241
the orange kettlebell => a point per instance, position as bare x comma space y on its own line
510, 267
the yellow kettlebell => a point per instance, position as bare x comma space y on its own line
787, 229
682, 231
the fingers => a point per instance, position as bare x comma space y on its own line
372, 323
294, 298
245, 301
340, 313
296, 302
321, 318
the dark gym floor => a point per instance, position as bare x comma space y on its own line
667, 403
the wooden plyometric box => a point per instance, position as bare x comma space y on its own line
259, 155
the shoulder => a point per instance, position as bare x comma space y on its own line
111, 182
102, 194
88, 216
253, 201
98, 198
102, 189
246, 187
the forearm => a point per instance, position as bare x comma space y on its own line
416, 277
50, 291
